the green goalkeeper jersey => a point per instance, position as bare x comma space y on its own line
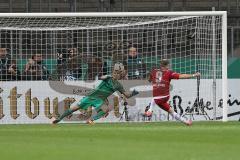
106, 88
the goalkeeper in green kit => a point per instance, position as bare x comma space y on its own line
98, 96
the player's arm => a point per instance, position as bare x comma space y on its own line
105, 77
125, 93
130, 94
149, 77
186, 76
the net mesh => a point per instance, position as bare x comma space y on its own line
85, 48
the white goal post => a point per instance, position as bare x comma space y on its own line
192, 41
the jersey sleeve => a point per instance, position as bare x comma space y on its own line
174, 75
121, 89
106, 77
151, 76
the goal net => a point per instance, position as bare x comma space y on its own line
50, 61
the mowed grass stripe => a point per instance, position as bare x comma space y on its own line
164, 140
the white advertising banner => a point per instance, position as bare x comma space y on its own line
40, 101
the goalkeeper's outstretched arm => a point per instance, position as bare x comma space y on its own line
186, 76
105, 77
130, 94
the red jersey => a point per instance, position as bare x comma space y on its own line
161, 81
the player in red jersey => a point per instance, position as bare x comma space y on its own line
161, 79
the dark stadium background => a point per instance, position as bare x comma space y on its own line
231, 6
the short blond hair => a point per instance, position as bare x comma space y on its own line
164, 62
132, 49
118, 67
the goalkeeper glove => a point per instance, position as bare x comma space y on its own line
134, 93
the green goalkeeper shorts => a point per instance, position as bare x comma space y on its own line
90, 102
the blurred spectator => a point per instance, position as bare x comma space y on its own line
69, 64
4, 64
95, 66
13, 73
35, 69
237, 51
74, 64
8, 67
62, 57
72, 52
119, 57
135, 65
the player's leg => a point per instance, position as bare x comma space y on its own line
150, 110
83, 104
105, 108
100, 114
178, 117
163, 103
85, 114
66, 113
102, 110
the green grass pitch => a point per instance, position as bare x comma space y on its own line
121, 141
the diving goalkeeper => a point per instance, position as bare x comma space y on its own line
98, 96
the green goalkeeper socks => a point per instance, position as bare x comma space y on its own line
100, 114
65, 114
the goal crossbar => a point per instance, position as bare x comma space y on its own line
114, 14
